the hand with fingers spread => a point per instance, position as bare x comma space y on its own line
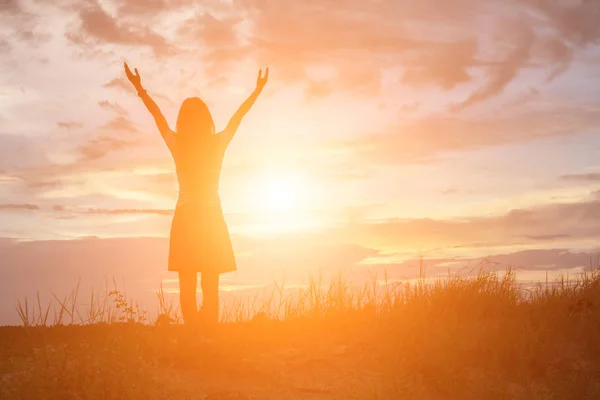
236, 119
261, 81
159, 118
135, 79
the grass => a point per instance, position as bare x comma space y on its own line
462, 337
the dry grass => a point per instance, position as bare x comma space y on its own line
463, 337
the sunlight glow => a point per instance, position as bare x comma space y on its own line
280, 193
277, 200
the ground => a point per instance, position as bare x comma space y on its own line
460, 340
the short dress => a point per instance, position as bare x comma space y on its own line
199, 240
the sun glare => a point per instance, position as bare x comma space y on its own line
279, 202
281, 192
280, 195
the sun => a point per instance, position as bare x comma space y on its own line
279, 200
279, 193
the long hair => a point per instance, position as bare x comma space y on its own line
194, 123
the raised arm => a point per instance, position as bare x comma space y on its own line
228, 133
159, 118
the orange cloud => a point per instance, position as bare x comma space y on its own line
107, 105
120, 83
150, 211
424, 139
101, 146
69, 125
446, 65
18, 207
547, 222
120, 123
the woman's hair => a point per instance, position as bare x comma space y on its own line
195, 121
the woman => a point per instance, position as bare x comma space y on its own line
200, 239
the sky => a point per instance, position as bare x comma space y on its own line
389, 131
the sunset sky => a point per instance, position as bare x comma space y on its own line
389, 130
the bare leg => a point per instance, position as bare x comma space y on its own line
187, 296
210, 297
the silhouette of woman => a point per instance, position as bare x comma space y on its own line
199, 239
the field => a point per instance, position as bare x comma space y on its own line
464, 337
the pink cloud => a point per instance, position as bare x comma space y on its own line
98, 27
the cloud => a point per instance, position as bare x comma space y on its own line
212, 32
99, 159
434, 43
100, 146
449, 191
568, 25
57, 208
162, 184
361, 80
503, 73
107, 105
311, 33
19, 151
41, 176
5, 46
549, 222
148, 211
554, 223
120, 83
445, 65
120, 123
22, 23
219, 41
591, 177
18, 207
69, 125
428, 137
548, 237
148, 7
97, 27
559, 53
12, 6
545, 259
525, 97
575, 21
104, 144
541, 260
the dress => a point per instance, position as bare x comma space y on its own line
199, 240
